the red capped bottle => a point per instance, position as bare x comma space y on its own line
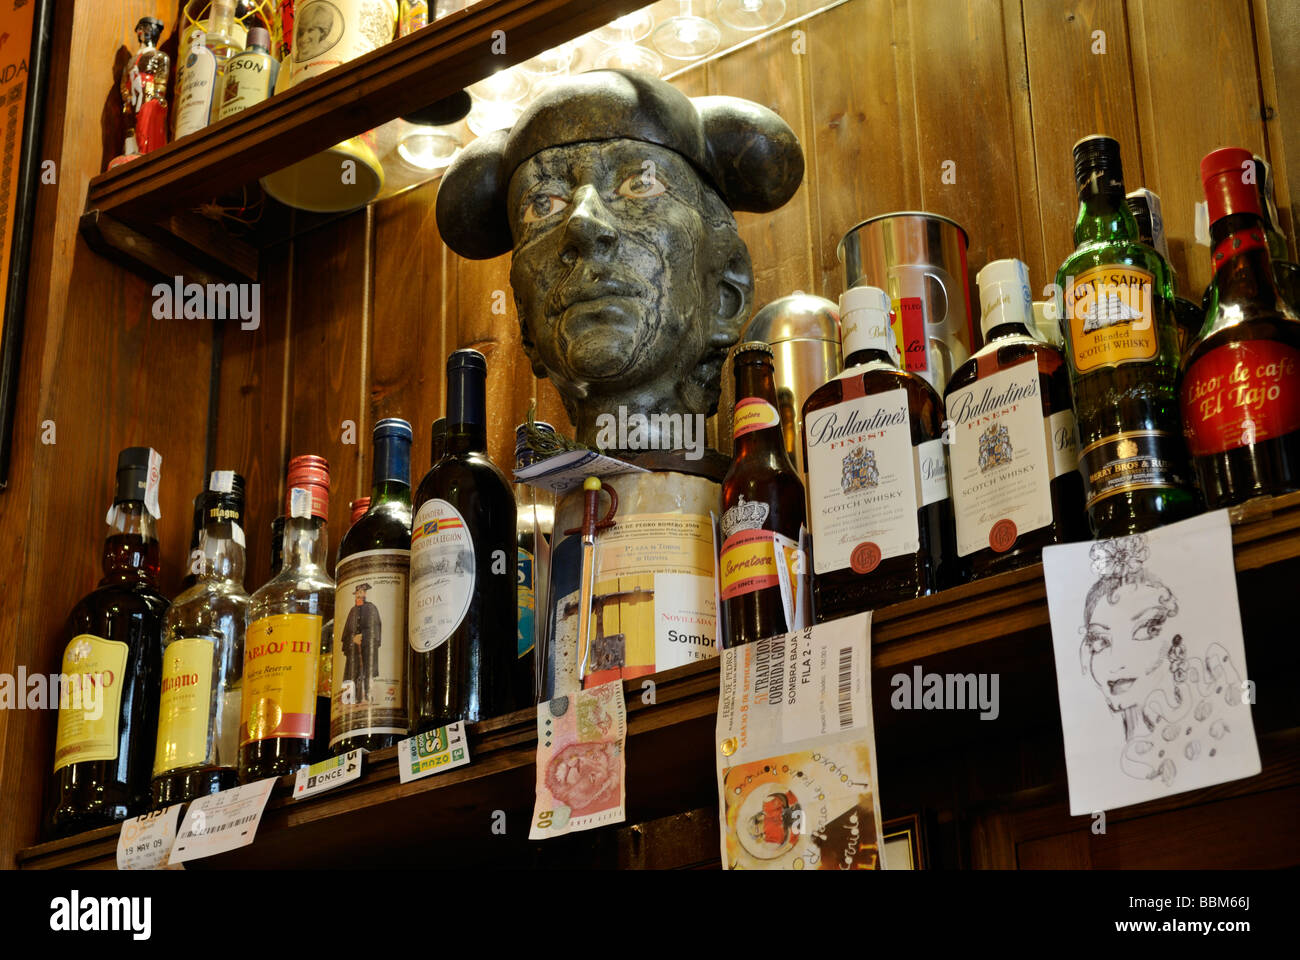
1239, 386
763, 569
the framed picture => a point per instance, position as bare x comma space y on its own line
903, 848
25, 32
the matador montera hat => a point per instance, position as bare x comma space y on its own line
747, 153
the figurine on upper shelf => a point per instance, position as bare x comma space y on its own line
615, 192
144, 94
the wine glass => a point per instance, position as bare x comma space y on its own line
550, 64
629, 56
488, 116
503, 87
427, 148
686, 36
750, 14
629, 28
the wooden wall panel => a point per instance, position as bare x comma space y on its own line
1277, 35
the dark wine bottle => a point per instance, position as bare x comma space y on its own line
463, 612
368, 704
112, 662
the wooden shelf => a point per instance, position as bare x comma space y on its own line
133, 209
994, 624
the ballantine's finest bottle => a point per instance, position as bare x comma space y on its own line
1012, 452
763, 566
108, 710
368, 705
1122, 345
877, 473
463, 625
283, 645
203, 659
1240, 383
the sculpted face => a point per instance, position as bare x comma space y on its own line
628, 276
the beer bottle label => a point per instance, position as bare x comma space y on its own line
90, 703
442, 574
281, 659
753, 413
1111, 312
185, 709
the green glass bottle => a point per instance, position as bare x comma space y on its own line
1116, 308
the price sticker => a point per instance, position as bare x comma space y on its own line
327, 774
222, 821
434, 751
151, 484
145, 842
299, 502
222, 481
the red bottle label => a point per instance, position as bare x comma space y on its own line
910, 314
1240, 394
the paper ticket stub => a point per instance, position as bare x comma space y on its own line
565, 471
434, 751
580, 761
796, 751
218, 822
145, 842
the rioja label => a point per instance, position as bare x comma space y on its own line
89, 712
1001, 484
1111, 312
1241, 394
367, 693
442, 574
185, 709
281, 659
862, 488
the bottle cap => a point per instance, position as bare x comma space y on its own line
138, 472
1228, 175
466, 358
1098, 155
224, 497
359, 508
1145, 207
525, 455
393, 427
1004, 294
865, 321
259, 37
754, 346
311, 474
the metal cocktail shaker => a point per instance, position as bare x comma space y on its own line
804, 334
919, 259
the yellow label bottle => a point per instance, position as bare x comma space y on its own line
185, 709
91, 701
281, 660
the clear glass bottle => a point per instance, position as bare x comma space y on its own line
203, 659
201, 74
108, 723
284, 645
249, 77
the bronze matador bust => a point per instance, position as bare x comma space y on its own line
615, 193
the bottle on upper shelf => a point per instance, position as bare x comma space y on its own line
462, 623
877, 473
249, 77
199, 76
284, 645
535, 520
203, 659
1012, 452
763, 562
1145, 207
368, 701
112, 658
1122, 345
1240, 381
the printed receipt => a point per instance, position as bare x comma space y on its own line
222, 821
796, 751
145, 842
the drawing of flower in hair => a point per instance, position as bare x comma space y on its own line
859, 470
995, 447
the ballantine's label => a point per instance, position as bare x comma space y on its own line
367, 692
1001, 481
1063, 442
281, 660
753, 413
862, 487
98, 667
931, 472
527, 602
442, 574
1129, 461
185, 710
1111, 313
1241, 394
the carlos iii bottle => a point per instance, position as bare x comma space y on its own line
108, 709
1240, 384
763, 566
462, 622
1012, 452
877, 474
203, 659
368, 705
287, 618
1122, 345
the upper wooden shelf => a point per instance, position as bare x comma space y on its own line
997, 623
140, 210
